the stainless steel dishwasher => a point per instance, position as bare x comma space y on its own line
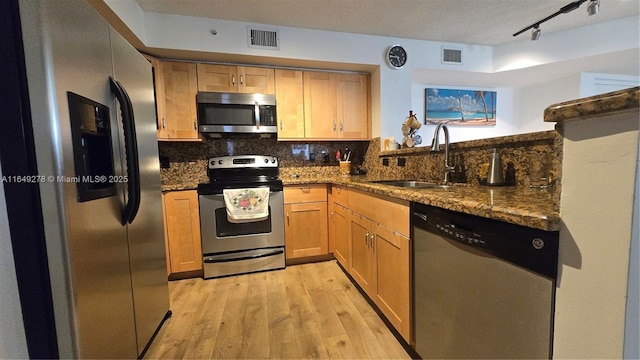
481, 288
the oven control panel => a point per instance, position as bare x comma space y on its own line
243, 161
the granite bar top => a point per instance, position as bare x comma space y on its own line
613, 102
519, 205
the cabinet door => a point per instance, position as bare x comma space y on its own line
256, 80
306, 229
391, 290
158, 95
183, 230
320, 105
290, 104
220, 78
340, 226
180, 88
352, 106
361, 261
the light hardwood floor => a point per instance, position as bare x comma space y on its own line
303, 311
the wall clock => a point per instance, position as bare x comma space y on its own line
396, 56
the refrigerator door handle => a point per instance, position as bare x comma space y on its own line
131, 152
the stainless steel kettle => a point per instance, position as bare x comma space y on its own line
495, 175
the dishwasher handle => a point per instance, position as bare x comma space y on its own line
421, 215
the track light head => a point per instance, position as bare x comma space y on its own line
593, 7
535, 33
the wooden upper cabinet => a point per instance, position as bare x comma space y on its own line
158, 94
352, 106
218, 78
320, 105
290, 104
336, 106
180, 88
256, 80
229, 78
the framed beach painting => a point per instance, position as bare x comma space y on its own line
460, 107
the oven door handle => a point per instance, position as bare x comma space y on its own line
257, 256
220, 194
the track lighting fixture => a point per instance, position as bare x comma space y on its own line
592, 9
535, 33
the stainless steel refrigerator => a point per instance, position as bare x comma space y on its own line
93, 111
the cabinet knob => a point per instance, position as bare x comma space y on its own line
334, 126
233, 80
195, 124
164, 123
241, 79
341, 127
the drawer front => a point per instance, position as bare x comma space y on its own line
305, 193
340, 195
392, 213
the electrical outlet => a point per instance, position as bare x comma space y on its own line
164, 162
385, 162
402, 161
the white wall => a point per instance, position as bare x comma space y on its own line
595, 83
13, 343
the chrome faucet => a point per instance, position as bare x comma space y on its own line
435, 146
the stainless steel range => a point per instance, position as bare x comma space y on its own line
235, 247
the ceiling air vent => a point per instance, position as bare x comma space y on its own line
451, 56
263, 38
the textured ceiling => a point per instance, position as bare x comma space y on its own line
482, 22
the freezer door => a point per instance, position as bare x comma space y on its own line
146, 231
94, 241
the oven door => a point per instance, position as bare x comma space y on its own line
220, 235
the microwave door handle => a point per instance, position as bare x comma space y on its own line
257, 116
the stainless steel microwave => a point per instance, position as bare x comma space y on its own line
236, 113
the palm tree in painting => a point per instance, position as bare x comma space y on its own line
480, 95
460, 106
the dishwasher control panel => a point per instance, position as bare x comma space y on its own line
461, 235
534, 249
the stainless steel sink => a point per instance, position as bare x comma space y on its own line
411, 184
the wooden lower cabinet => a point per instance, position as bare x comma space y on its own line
361, 266
305, 227
391, 288
341, 239
182, 231
380, 256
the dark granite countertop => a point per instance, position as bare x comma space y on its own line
535, 208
